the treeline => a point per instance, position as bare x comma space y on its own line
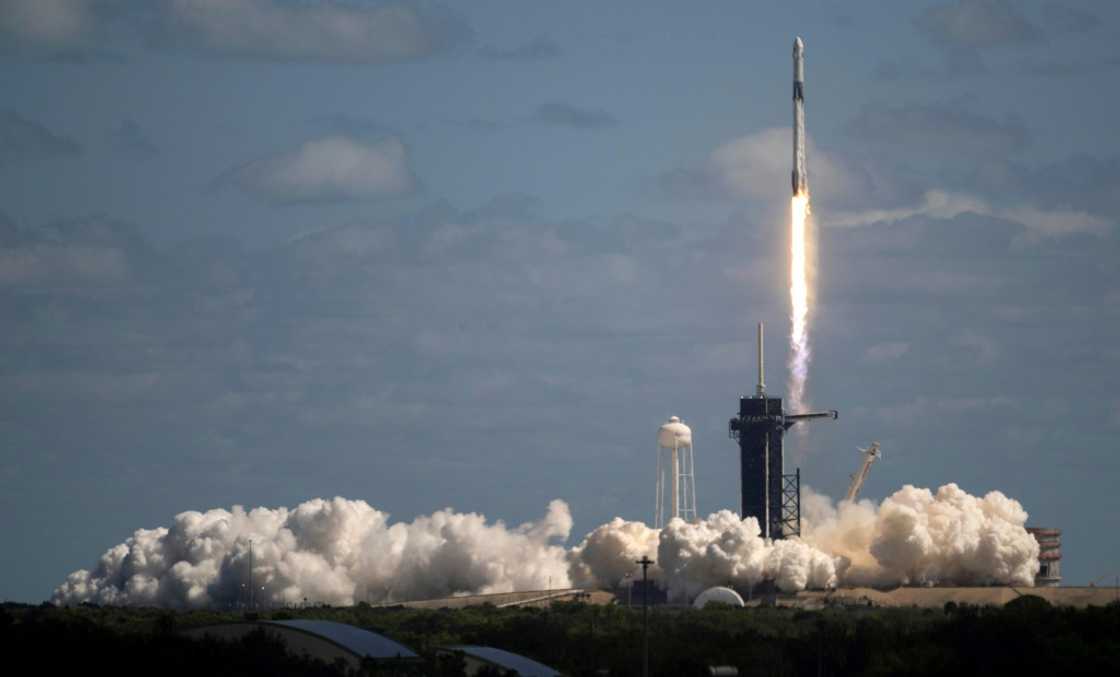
1028, 636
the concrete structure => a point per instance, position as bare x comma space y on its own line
1049, 556
324, 640
937, 597
676, 481
478, 658
533, 598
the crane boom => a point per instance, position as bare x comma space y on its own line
870, 455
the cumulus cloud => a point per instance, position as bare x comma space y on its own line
755, 166
333, 31
937, 131
330, 168
23, 139
81, 252
559, 114
330, 30
976, 24
46, 21
541, 48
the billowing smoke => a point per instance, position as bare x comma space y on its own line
916, 536
324, 551
341, 552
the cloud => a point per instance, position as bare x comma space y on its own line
937, 131
328, 31
88, 251
540, 49
47, 21
130, 138
566, 115
886, 352
976, 24
335, 31
22, 139
927, 409
329, 169
72, 31
1059, 17
1039, 223
755, 166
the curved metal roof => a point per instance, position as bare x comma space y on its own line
510, 661
357, 640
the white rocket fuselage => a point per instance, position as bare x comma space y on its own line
800, 176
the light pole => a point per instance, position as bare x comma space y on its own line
251, 596
645, 562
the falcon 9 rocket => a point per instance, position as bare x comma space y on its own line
800, 177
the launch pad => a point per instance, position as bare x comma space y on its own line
768, 494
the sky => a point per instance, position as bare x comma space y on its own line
472, 255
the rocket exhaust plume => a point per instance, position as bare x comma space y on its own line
799, 295
343, 551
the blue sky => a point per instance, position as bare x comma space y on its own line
472, 255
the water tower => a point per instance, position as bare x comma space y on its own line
676, 486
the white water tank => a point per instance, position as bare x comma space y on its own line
674, 433
676, 485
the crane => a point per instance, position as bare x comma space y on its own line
870, 455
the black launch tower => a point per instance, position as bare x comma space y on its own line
768, 494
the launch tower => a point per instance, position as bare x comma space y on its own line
768, 494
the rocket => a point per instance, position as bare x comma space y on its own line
799, 176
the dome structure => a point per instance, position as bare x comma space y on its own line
718, 595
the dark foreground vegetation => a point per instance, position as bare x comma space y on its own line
1026, 637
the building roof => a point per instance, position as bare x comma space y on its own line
527, 667
353, 639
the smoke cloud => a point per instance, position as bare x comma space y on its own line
334, 551
918, 537
341, 551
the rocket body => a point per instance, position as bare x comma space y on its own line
800, 176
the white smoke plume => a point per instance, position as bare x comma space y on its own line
341, 551
724, 549
608, 553
914, 537
334, 551
917, 537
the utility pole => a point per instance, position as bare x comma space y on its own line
645, 562
251, 597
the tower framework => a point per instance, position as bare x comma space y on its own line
767, 493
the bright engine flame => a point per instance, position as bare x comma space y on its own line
799, 302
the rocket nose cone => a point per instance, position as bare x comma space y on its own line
798, 45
